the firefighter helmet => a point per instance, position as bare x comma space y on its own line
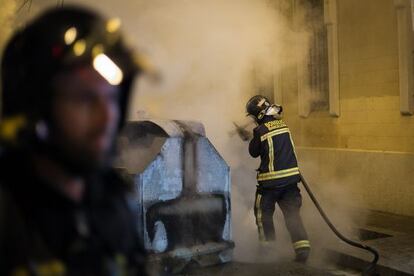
62, 39
257, 106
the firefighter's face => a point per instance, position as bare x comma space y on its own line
85, 116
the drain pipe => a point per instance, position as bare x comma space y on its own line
371, 269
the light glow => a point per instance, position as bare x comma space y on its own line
97, 49
113, 25
79, 47
108, 69
70, 35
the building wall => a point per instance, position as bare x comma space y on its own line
370, 121
375, 180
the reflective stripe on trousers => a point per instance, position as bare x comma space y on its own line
258, 214
301, 244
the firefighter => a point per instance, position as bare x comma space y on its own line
66, 79
278, 175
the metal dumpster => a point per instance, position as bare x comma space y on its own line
183, 192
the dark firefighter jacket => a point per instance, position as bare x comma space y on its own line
44, 233
273, 143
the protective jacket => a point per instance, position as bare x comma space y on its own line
44, 233
273, 143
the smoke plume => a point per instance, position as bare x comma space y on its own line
212, 56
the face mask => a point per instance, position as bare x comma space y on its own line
274, 110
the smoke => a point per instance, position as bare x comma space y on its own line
335, 198
205, 51
212, 56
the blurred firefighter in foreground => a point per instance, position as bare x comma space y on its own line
277, 176
66, 80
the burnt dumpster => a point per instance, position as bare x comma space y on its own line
183, 192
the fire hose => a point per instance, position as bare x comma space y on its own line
371, 268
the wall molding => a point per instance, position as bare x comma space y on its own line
405, 55
331, 23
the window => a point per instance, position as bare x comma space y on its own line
318, 74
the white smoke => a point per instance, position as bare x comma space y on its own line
207, 51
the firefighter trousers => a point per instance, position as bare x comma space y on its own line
289, 200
